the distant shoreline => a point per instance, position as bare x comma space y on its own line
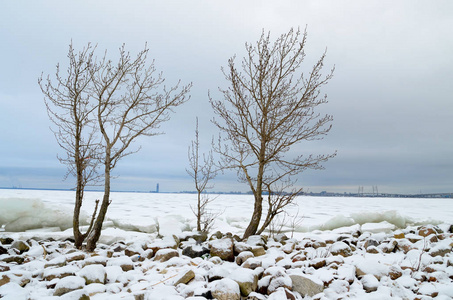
321, 194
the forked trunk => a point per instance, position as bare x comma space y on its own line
256, 217
97, 227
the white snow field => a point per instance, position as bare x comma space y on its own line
317, 226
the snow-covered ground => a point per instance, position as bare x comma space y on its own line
318, 226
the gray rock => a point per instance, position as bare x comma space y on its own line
256, 240
21, 246
186, 278
6, 241
165, 254
225, 289
4, 280
305, 285
14, 258
69, 284
246, 279
93, 274
195, 251
3, 250
370, 283
243, 256
223, 248
258, 250
341, 248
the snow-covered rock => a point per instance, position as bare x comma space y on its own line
306, 285
223, 248
225, 289
93, 274
69, 284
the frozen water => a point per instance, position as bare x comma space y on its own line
146, 212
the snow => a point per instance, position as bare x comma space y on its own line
135, 219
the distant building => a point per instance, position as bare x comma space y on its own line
157, 188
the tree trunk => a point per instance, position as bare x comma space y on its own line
78, 237
256, 216
199, 212
96, 231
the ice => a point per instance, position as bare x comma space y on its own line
31, 209
20, 214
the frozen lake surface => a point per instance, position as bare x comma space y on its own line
22, 210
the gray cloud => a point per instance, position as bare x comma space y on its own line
390, 96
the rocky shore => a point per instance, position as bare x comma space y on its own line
372, 261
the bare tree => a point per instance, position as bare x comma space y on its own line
99, 110
69, 108
202, 170
131, 101
267, 109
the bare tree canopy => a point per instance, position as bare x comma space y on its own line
269, 107
99, 109
202, 170
131, 102
70, 109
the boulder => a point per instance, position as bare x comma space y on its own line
256, 240
195, 251
14, 258
317, 263
165, 254
399, 235
243, 256
306, 285
428, 230
371, 243
124, 262
75, 256
69, 284
341, 248
188, 276
198, 236
258, 250
93, 274
58, 261
252, 263
223, 248
389, 247
277, 282
6, 240
61, 272
20, 246
4, 280
241, 247
395, 272
370, 283
246, 279
225, 289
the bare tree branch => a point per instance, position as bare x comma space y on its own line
267, 109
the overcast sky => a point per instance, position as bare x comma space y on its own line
391, 95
